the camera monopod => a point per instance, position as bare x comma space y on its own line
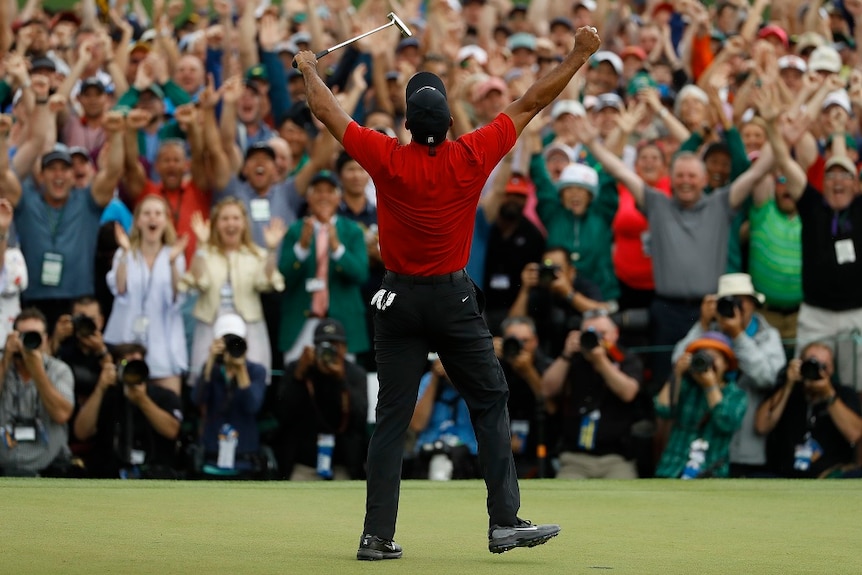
393, 21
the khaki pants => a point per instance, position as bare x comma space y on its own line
586, 466
785, 323
833, 328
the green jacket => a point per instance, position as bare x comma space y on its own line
346, 277
589, 238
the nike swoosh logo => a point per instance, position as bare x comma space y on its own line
465, 299
532, 528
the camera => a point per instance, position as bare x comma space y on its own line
133, 372
511, 347
727, 305
31, 340
326, 353
589, 339
234, 345
701, 362
547, 273
811, 369
83, 325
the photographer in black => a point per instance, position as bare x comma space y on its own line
322, 409
812, 424
133, 424
229, 394
596, 387
555, 297
523, 363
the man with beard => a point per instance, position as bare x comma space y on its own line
58, 229
513, 242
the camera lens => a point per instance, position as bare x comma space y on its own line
31, 340
811, 369
701, 362
326, 353
83, 325
235, 345
511, 347
547, 274
589, 339
133, 372
727, 306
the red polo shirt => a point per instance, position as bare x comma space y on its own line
426, 205
184, 202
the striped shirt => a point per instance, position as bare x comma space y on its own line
775, 258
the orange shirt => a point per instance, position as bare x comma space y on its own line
183, 202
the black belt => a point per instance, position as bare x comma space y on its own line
781, 309
425, 280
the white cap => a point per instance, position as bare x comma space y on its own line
838, 98
559, 147
792, 62
609, 57
230, 323
826, 59
473, 51
572, 107
581, 176
588, 4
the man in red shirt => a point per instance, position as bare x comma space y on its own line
427, 193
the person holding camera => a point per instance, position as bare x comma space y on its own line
322, 408
133, 423
145, 281
595, 385
812, 424
523, 363
555, 296
230, 393
759, 354
706, 408
36, 401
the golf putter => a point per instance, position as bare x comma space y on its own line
393, 21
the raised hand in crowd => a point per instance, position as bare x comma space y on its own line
201, 229
122, 238
274, 233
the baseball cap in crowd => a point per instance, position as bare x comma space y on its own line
559, 148
518, 184
791, 62
428, 115
286, 46
256, 73
608, 100
405, 43
572, 107
301, 38
79, 151
837, 98
93, 82
230, 324
717, 341
808, 40
488, 85
473, 51
590, 102
843, 162
65, 16
774, 30
58, 154
635, 51
609, 57
738, 284
260, 147
329, 329
521, 40
588, 4
581, 176
716, 148
46, 64
518, 7
825, 59
561, 21
663, 6
640, 81
324, 176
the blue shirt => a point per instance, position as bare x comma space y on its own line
116, 211
479, 248
450, 416
71, 231
281, 201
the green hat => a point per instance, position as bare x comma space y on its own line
155, 89
256, 73
640, 81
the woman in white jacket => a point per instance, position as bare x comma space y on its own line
230, 272
13, 273
145, 279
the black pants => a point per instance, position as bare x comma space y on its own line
442, 314
671, 319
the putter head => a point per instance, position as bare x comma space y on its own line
402, 27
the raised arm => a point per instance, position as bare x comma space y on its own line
108, 177
610, 162
231, 90
548, 87
214, 142
135, 177
10, 187
189, 119
793, 172
742, 186
320, 99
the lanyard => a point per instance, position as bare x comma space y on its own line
149, 281
175, 210
54, 222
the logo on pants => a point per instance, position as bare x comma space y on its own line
383, 299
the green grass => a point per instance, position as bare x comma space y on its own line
640, 527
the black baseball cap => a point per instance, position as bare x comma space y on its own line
56, 155
79, 151
93, 82
716, 148
428, 113
261, 147
329, 330
43, 64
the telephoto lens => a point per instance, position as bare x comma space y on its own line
234, 345
133, 372
701, 362
83, 325
811, 369
31, 340
589, 339
511, 347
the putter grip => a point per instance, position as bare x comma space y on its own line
319, 55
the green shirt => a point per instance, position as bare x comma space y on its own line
775, 255
691, 422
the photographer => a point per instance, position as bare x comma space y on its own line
706, 407
812, 424
35, 401
596, 386
523, 364
759, 353
133, 423
322, 408
554, 296
230, 393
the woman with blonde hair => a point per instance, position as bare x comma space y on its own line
230, 271
145, 280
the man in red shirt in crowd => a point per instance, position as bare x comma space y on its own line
427, 193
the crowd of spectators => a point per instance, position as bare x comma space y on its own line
189, 262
